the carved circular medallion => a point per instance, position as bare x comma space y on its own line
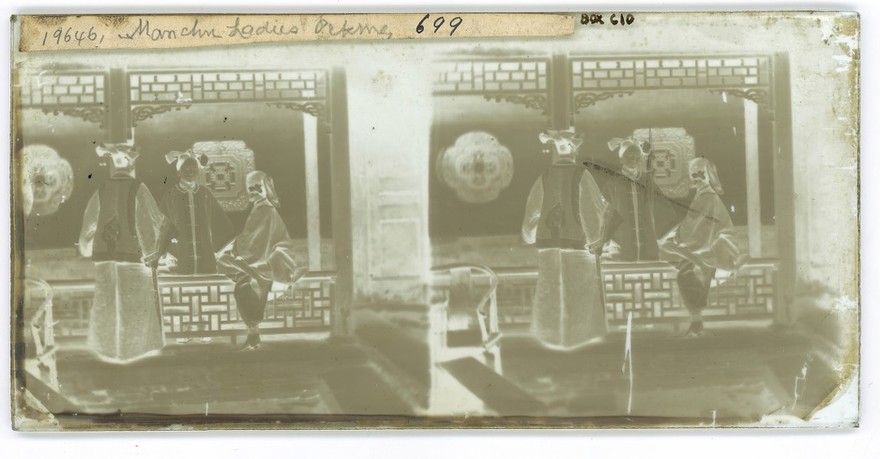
47, 181
477, 167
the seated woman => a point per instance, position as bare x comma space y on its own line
260, 255
703, 242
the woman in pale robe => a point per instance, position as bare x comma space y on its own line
702, 243
260, 255
563, 214
120, 232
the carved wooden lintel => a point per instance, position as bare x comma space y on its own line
315, 109
536, 101
756, 95
145, 112
588, 99
93, 114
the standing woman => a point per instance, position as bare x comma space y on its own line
629, 216
703, 242
120, 233
260, 255
198, 225
563, 213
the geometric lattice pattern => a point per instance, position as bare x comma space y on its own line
63, 89
229, 162
204, 306
514, 295
672, 150
648, 290
201, 87
620, 73
515, 75
752, 292
72, 304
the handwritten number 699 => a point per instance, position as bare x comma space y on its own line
438, 23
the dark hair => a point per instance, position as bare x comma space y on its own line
711, 173
632, 149
188, 159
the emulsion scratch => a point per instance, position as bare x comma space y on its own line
183, 99
800, 383
843, 62
841, 367
627, 361
845, 304
849, 44
40, 79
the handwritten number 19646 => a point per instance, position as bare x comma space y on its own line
79, 36
438, 23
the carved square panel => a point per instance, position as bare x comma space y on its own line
229, 162
673, 149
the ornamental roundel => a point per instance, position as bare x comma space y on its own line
47, 181
476, 167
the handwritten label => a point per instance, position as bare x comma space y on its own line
454, 23
614, 19
69, 35
57, 33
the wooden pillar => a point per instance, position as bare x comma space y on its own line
783, 170
559, 105
753, 178
340, 180
117, 98
17, 261
313, 203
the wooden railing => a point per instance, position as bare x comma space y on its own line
650, 292
204, 306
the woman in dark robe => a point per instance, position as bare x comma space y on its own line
629, 215
260, 255
199, 226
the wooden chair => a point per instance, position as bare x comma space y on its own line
464, 282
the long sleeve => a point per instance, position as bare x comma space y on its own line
651, 197
610, 221
149, 221
221, 226
705, 219
533, 212
592, 207
167, 231
262, 231
89, 226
